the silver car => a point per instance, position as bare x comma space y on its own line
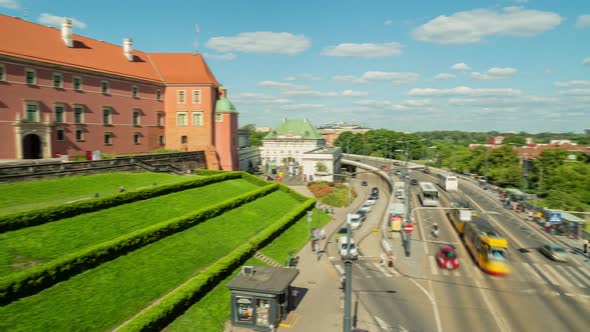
554, 252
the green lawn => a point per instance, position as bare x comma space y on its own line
211, 312
104, 297
23, 196
31, 246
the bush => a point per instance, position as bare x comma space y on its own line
320, 189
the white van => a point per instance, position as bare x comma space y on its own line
343, 245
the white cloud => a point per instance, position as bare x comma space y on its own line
310, 77
502, 101
576, 92
315, 93
396, 78
586, 61
300, 106
364, 50
10, 4
417, 102
350, 93
261, 42
222, 56
444, 76
473, 26
583, 21
388, 22
251, 98
54, 20
571, 83
464, 91
460, 66
282, 85
494, 73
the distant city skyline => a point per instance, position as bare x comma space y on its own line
506, 65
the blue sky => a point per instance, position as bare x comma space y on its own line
506, 65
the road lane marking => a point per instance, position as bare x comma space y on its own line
432, 301
583, 269
445, 272
382, 270
541, 268
579, 275
457, 273
433, 265
339, 268
533, 273
559, 276
383, 325
569, 275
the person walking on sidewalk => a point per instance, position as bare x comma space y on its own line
585, 242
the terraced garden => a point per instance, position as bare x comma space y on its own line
96, 271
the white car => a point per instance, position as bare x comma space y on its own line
371, 201
366, 207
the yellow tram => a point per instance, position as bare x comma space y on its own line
488, 248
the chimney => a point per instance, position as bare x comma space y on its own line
66, 32
222, 92
128, 48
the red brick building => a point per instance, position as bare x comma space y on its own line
65, 94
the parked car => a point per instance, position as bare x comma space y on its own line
374, 196
364, 183
447, 257
355, 221
366, 207
375, 190
362, 214
343, 246
371, 201
414, 182
554, 252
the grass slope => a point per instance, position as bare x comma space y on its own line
23, 196
211, 312
102, 298
31, 246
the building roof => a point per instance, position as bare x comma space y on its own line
224, 105
264, 279
36, 42
302, 129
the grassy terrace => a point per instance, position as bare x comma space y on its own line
211, 312
23, 196
31, 246
104, 297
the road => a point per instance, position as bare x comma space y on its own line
539, 294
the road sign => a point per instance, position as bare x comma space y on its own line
555, 217
409, 228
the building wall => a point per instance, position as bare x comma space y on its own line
197, 137
277, 150
249, 157
226, 141
309, 167
15, 93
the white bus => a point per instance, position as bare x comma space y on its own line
448, 181
428, 194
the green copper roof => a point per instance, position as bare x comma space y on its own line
295, 129
223, 105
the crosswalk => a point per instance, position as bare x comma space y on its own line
540, 273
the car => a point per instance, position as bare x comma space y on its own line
447, 257
362, 214
554, 251
374, 196
414, 182
355, 221
342, 232
426, 170
398, 172
371, 201
375, 190
364, 183
366, 207
383, 167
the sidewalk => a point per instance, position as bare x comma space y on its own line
321, 307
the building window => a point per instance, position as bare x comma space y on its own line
79, 134
160, 119
181, 119
135, 91
136, 138
218, 117
58, 82
180, 96
30, 77
198, 119
32, 112
136, 117
196, 96
161, 140
108, 138
60, 113
2, 72
60, 134
183, 139
78, 114
158, 94
107, 116
77, 83
104, 87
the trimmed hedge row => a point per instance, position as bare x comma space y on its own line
53, 213
35, 279
176, 303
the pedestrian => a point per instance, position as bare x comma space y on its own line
342, 281
547, 226
585, 245
530, 214
383, 259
